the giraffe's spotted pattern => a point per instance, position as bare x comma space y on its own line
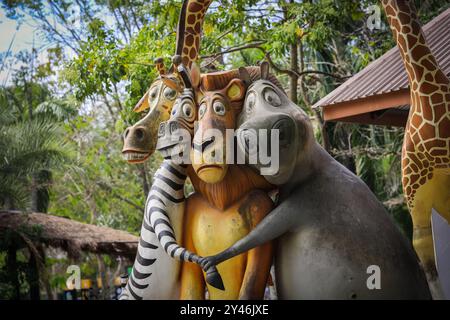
195, 14
427, 134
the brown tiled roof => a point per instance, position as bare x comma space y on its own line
387, 73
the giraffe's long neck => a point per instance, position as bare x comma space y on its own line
190, 29
417, 56
427, 137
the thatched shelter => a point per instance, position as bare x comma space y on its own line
71, 236
35, 230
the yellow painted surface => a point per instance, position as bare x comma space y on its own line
210, 230
86, 283
435, 193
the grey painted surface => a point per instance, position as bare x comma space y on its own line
441, 238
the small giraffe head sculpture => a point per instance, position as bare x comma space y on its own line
140, 139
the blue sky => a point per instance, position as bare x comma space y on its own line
22, 34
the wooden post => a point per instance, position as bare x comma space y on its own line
33, 277
12, 270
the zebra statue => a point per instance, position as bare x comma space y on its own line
163, 219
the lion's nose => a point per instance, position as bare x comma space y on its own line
202, 147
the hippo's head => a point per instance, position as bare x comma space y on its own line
266, 109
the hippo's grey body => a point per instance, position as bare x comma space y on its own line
333, 239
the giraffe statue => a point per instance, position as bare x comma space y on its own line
140, 139
426, 146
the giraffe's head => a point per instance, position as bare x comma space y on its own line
140, 139
218, 111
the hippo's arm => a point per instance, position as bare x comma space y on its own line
276, 223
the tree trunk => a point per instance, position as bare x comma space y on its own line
116, 272
321, 123
40, 194
102, 272
34, 194
143, 172
44, 274
293, 82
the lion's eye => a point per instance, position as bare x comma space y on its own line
250, 102
219, 108
169, 93
202, 110
272, 97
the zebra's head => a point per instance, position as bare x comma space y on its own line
174, 135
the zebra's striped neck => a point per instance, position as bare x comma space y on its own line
162, 223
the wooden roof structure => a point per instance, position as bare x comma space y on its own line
71, 236
379, 94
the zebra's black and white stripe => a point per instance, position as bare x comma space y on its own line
154, 274
167, 189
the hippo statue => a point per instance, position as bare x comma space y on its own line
335, 240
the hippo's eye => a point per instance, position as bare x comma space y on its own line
219, 108
188, 110
169, 93
202, 110
272, 97
250, 102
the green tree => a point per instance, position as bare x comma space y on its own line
31, 143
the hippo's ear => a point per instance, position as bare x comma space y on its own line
264, 70
195, 75
235, 90
245, 76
